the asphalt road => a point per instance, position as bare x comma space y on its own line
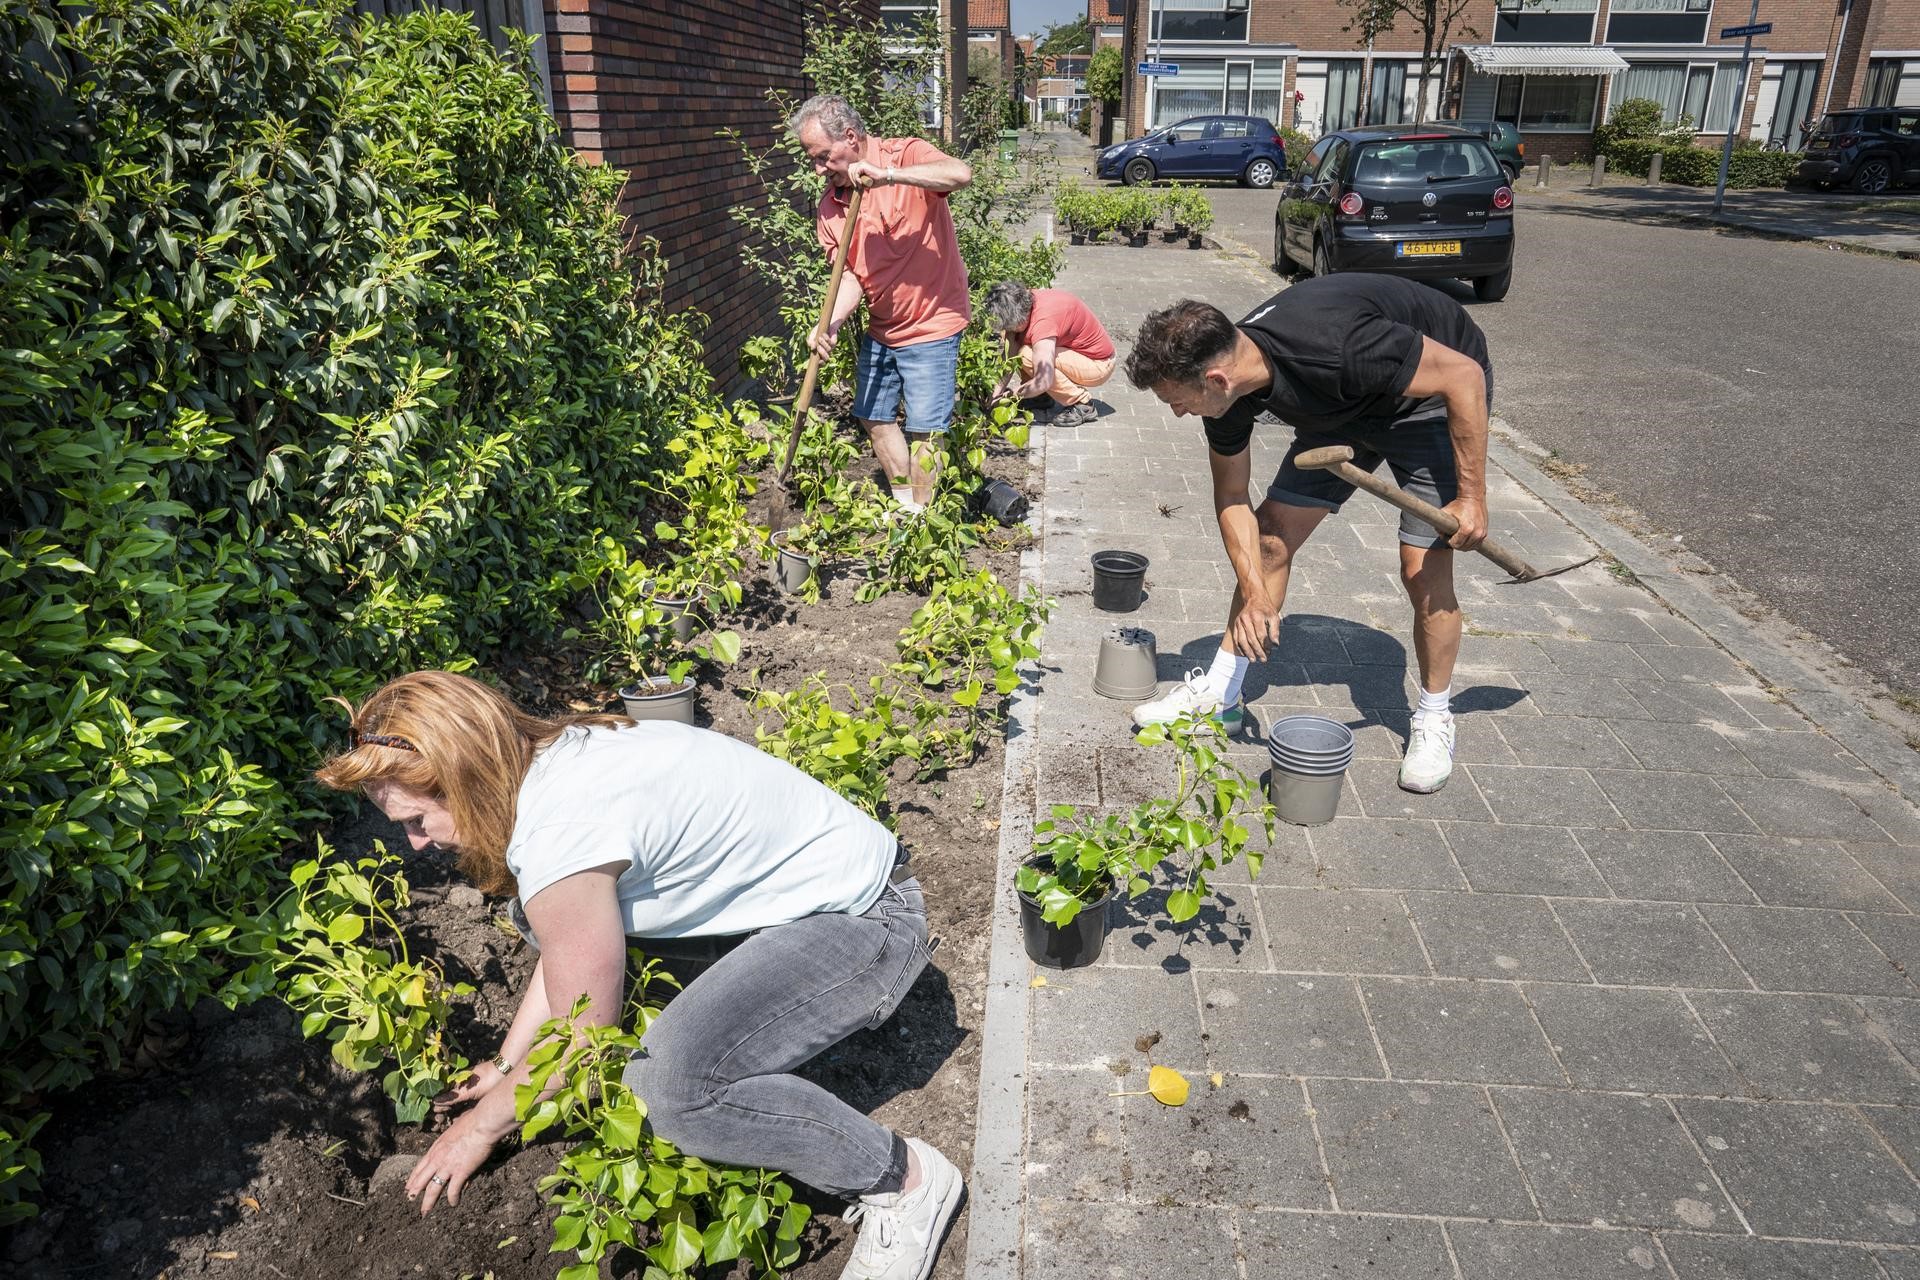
1759, 399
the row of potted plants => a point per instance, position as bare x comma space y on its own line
1129, 213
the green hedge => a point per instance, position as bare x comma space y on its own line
319, 359
1700, 166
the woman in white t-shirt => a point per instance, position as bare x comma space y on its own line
609, 829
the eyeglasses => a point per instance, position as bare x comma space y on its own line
387, 740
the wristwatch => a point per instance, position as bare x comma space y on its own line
501, 1064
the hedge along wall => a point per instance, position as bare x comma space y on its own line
319, 360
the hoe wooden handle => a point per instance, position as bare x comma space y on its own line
804, 400
1338, 459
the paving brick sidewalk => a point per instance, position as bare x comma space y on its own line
1627, 998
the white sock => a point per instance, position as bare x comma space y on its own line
1436, 704
1225, 676
903, 494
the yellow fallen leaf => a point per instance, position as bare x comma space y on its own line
1039, 980
225, 1255
1218, 1079
250, 1203
1167, 1086
504, 1243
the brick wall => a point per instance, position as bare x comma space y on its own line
646, 87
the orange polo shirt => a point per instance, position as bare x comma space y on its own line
1059, 315
905, 253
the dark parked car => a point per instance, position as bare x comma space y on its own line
1871, 148
1502, 138
1244, 147
1426, 201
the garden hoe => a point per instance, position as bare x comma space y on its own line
805, 398
1339, 460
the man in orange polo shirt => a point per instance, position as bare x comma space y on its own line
904, 262
1062, 347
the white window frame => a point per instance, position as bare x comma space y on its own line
1707, 29
1156, 11
1523, 7
1226, 89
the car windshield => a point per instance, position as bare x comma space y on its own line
1419, 161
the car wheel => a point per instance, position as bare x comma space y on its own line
1322, 261
1873, 176
1512, 174
1493, 288
1281, 262
1139, 170
1260, 174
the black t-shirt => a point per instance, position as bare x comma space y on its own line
1342, 349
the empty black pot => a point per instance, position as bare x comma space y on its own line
1118, 578
1001, 501
1071, 946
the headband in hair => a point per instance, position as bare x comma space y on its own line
387, 740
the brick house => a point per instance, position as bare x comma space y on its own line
1552, 67
990, 28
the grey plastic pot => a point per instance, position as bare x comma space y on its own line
680, 612
1128, 665
792, 569
658, 698
1310, 755
1305, 800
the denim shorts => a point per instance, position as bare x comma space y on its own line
925, 373
1420, 454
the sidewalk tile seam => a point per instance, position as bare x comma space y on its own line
1574, 945
1513, 1152
1740, 1214
1319, 1145
1686, 998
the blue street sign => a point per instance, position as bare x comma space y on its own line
1755, 29
1159, 68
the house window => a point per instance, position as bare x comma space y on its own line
1239, 88
1343, 94
1269, 89
1387, 99
1883, 82
1702, 93
1200, 20
1658, 21
1544, 21
1547, 104
1198, 90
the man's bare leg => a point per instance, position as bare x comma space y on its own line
923, 458
889, 446
1427, 574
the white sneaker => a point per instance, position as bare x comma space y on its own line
1429, 761
901, 1232
1190, 697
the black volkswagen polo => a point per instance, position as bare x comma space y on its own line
1426, 201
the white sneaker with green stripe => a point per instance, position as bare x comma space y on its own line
1192, 696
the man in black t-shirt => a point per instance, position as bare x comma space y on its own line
1390, 367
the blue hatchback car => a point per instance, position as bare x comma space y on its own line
1247, 148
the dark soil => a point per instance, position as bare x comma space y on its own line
245, 1152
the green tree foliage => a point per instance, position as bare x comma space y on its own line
1065, 37
320, 359
1105, 73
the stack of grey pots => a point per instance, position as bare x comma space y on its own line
1310, 756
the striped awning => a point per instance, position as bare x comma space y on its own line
1543, 60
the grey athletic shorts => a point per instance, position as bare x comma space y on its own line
1419, 453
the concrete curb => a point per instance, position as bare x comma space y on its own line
1831, 708
996, 1188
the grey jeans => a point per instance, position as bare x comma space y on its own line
715, 1070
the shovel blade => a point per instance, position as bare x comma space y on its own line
1538, 574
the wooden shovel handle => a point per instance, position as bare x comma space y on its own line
804, 400
1338, 459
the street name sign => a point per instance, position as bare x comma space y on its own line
1159, 68
1751, 29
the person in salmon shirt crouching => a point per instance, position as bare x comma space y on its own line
904, 263
1062, 347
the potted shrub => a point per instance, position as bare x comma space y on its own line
640, 636
1197, 216
1079, 863
796, 556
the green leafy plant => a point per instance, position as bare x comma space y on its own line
1078, 860
618, 1177
636, 630
850, 748
972, 634
1106, 73
336, 945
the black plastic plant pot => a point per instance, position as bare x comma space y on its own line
1001, 501
1119, 578
1138, 240
1077, 237
1196, 242
658, 698
1071, 946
